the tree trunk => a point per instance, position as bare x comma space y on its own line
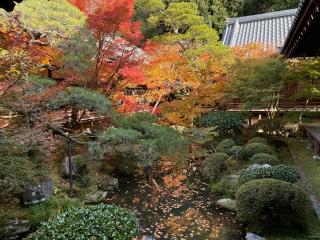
156, 105
74, 117
70, 168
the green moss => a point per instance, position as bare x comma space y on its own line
311, 167
54, 206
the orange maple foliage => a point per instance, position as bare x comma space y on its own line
21, 55
166, 71
177, 88
253, 50
212, 75
173, 181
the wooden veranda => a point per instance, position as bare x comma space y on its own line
313, 132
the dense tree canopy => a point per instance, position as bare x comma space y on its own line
214, 13
251, 7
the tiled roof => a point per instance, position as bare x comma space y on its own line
269, 29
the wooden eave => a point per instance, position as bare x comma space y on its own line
304, 37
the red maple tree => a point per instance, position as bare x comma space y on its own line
118, 38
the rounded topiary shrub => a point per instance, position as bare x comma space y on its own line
214, 166
254, 148
280, 172
224, 121
257, 140
270, 201
239, 152
264, 158
285, 173
93, 222
225, 146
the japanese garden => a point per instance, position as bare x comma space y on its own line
159, 119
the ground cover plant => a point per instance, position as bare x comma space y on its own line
101, 221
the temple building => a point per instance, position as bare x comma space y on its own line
304, 41
293, 33
304, 37
268, 29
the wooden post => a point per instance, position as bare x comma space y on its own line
70, 168
317, 148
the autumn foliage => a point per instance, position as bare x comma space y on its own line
118, 38
253, 51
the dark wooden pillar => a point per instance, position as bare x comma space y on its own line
317, 148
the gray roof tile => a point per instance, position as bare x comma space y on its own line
269, 29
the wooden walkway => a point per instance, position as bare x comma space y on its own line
313, 132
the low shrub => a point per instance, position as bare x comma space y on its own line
56, 205
93, 222
280, 172
257, 140
225, 146
82, 163
285, 173
254, 148
239, 152
84, 181
225, 187
15, 174
224, 121
268, 201
214, 166
264, 158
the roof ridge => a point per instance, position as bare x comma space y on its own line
269, 15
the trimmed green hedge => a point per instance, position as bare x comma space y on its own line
214, 166
93, 222
280, 172
225, 146
224, 121
258, 140
239, 152
254, 148
264, 158
270, 200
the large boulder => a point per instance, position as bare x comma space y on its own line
252, 236
35, 193
15, 229
75, 166
96, 197
227, 203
